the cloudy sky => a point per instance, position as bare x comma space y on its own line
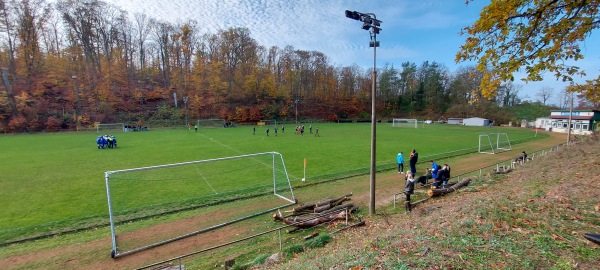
413, 30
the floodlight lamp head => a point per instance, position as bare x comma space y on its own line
365, 18
366, 26
353, 15
376, 22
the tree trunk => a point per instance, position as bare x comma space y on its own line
442, 191
311, 222
311, 206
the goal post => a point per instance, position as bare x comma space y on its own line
110, 127
141, 193
502, 142
494, 142
211, 123
485, 144
401, 122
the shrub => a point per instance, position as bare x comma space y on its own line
319, 241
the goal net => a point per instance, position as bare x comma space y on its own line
493, 143
191, 189
211, 123
120, 127
409, 123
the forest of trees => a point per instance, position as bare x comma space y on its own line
74, 63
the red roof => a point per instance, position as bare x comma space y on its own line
573, 117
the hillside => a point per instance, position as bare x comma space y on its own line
532, 218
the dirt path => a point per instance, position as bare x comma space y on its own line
93, 254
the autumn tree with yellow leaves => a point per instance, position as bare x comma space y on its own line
535, 36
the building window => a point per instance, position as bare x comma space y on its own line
577, 126
584, 127
553, 124
564, 125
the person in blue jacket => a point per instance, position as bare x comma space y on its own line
434, 169
400, 161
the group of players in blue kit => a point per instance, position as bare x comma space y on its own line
106, 141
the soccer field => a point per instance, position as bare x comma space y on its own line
49, 181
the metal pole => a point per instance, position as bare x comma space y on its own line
373, 127
296, 102
77, 102
280, 241
185, 100
110, 217
570, 117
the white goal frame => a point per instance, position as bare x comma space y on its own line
121, 125
486, 139
212, 120
483, 143
275, 155
500, 137
397, 121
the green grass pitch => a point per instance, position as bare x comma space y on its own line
49, 181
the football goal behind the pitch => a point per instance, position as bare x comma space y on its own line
493, 143
211, 123
140, 193
409, 123
110, 127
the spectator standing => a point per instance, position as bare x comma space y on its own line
414, 158
400, 161
409, 189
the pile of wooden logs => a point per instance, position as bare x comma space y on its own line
315, 213
451, 188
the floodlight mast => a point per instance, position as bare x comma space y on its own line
371, 24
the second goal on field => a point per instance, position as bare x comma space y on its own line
110, 127
409, 123
493, 142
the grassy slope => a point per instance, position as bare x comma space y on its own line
533, 218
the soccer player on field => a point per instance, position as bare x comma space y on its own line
99, 142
